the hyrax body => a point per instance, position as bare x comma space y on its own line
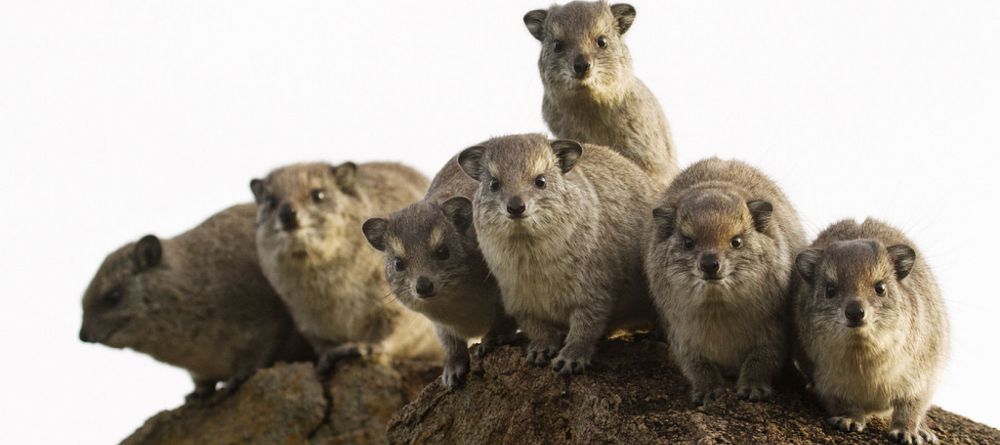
872, 327
198, 301
312, 250
591, 94
559, 224
434, 266
719, 260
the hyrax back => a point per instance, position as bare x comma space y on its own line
559, 224
591, 94
719, 260
313, 252
198, 301
434, 266
872, 327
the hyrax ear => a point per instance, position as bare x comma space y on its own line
805, 263
535, 21
374, 230
624, 14
459, 212
345, 175
568, 151
761, 213
903, 258
147, 252
471, 161
257, 187
665, 219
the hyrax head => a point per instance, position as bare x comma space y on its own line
123, 302
582, 43
522, 180
712, 236
300, 201
856, 283
428, 248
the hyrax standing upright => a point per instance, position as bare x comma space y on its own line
434, 266
872, 327
591, 94
313, 253
560, 224
198, 301
719, 260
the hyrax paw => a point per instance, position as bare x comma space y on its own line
754, 392
847, 424
566, 364
540, 354
704, 396
911, 437
454, 374
329, 358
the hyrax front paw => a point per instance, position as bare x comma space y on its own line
567, 363
706, 394
915, 436
329, 358
754, 391
540, 354
454, 373
847, 424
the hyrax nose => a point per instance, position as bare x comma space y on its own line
84, 337
515, 207
288, 217
581, 65
709, 264
854, 312
424, 287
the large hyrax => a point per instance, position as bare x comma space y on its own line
872, 327
313, 252
434, 266
719, 260
559, 224
198, 301
591, 94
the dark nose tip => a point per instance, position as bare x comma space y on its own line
515, 206
83, 336
854, 312
581, 65
288, 217
424, 286
709, 264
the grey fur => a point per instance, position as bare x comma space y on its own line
571, 267
198, 301
737, 324
892, 361
609, 106
331, 281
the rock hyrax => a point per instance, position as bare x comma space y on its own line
560, 224
591, 94
434, 266
719, 260
872, 327
198, 301
313, 252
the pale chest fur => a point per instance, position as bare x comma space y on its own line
866, 374
723, 334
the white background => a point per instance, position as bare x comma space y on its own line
121, 118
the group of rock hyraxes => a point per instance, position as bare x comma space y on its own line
565, 240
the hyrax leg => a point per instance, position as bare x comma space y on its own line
586, 327
759, 369
329, 356
503, 332
456, 358
907, 425
545, 340
203, 389
844, 417
706, 379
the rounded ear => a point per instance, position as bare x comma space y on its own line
459, 212
624, 14
761, 212
535, 21
568, 151
344, 174
805, 263
374, 230
147, 253
903, 258
257, 187
664, 218
471, 161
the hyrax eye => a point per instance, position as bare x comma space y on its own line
831, 290
317, 195
602, 42
558, 46
113, 297
688, 243
399, 264
271, 202
540, 181
736, 242
880, 289
494, 185
442, 253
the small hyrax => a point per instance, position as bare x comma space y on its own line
719, 259
198, 301
434, 266
872, 327
591, 94
560, 224
312, 250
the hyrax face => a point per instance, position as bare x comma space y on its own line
522, 181
428, 249
855, 285
120, 304
713, 240
582, 45
299, 204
